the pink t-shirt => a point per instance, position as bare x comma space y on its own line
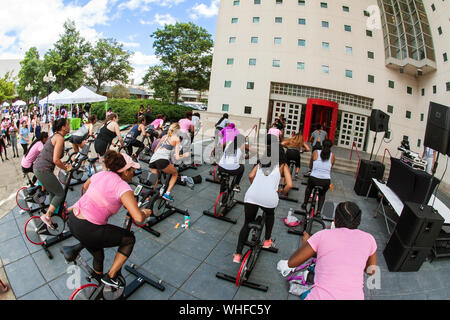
229, 134
185, 125
275, 132
341, 259
103, 198
32, 155
157, 123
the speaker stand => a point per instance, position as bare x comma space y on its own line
373, 146
433, 171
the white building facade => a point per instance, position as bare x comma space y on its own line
332, 62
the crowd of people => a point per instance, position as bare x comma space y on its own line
343, 253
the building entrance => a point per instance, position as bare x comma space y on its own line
321, 112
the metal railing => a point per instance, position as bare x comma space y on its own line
359, 157
384, 155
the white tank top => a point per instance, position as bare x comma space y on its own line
264, 189
321, 169
230, 162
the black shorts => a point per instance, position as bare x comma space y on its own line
29, 170
293, 155
76, 139
160, 164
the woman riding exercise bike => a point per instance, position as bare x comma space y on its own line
106, 192
294, 147
230, 161
107, 133
79, 137
32, 154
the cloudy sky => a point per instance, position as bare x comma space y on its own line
39, 23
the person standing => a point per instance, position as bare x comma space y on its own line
148, 115
3, 146
430, 156
317, 137
23, 134
13, 137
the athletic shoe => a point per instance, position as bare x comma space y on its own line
48, 221
268, 244
296, 176
237, 188
237, 258
115, 283
167, 197
307, 174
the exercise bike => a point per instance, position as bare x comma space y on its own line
251, 256
100, 291
225, 201
38, 233
310, 217
161, 208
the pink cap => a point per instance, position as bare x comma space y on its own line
130, 163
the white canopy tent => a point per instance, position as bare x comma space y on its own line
82, 95
52, 95
19, 103
5, 104
66, 93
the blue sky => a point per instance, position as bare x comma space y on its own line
27, 23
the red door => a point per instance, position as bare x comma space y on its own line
320, 112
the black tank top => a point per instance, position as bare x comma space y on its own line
105, 134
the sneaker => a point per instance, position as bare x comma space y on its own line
307, 174
48, 221
268, 244
167, 197
237, 258
237, 188
115, 283
296, 176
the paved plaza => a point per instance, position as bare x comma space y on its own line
188, 260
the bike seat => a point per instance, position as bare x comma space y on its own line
253, 225
32, 190
93, 160
319, 188
71, 253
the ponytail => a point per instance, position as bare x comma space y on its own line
42, 136
114, 161
57, 126
225, 115
326, 150
173, 127
110, 117
347, 215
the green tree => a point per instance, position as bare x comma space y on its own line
7, 90
162, 81
183, 49
108, 62
31, 73
119, 92
68, 59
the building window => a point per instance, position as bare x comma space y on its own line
278, 20
248, 110
234, 20
406, 138
370, 54
409, 90
256, 1
301, 2
326, 45
408, 114
423, 92
345, 9
390, 109
347, 28
439, 30
225, 107
325, 24
371, 78
301, 21
325, 69
277, 40
419, 142
276, 63
227, 84
369, 33
254, 40
300, 66
447, 85
422, 117
255, 19
348, 50
236, 2
250, 85
434, 89
445, 56
366, 13
324, 5
301, 42
232, 40
349, 73
433, 7
391, 84
252, 62
387, 134
279, 2
230, 61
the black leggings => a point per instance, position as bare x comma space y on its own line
95, 238
312, 182
238, 173
251, 211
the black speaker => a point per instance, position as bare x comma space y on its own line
437, 133
401, 258
362, 187
371, 169
379, 121
417, 228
